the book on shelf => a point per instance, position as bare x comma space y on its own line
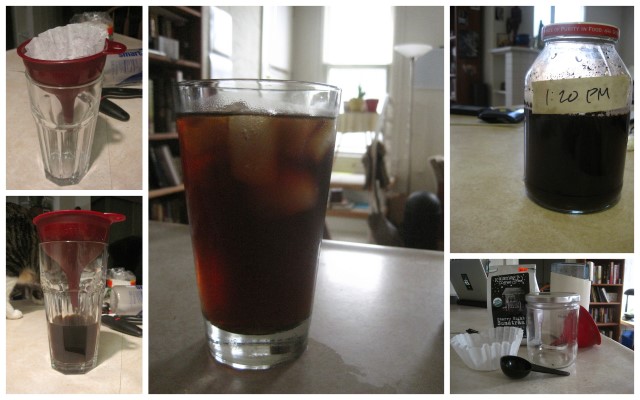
164, 119
151, 114
172, 209
605, 274
603, 295
166, 167
156, 177
603, 315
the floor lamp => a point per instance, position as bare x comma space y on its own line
412, 51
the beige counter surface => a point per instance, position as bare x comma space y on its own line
605, 368
28, 369
116, 160
490, 210
377, 324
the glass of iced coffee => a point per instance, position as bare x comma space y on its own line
256, 158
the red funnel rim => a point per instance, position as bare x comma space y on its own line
82, 225
110, 47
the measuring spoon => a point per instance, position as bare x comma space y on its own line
517, 367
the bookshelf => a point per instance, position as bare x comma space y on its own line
465, 70
174, 54
606, 302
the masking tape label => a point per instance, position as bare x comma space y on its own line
583, 95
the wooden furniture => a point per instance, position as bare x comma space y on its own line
181, 24
490, 211
362, 291
606, 368
510, 66
466, 55
607, 312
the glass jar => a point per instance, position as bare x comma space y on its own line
552, 328
577, 105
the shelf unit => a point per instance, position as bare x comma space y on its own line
607, 314
510, 65
465, 68
182, 26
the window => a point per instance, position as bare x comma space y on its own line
357, 51
552, 14
358, 48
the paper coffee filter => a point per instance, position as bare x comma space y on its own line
68, 42
482, 351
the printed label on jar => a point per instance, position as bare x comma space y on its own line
584, 95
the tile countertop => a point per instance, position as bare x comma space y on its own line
119, 368
377, 324
116, 161
490, 210
605, 368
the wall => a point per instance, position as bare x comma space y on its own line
417, 25
247, 39
307, 44
622, 17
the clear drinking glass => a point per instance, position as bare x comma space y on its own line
73, 273
73, 276
257, 158
66, 118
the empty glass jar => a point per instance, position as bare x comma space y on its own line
552, 328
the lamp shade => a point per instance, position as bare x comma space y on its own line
412, 50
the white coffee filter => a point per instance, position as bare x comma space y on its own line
482, 351
68, 42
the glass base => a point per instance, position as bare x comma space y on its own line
576, 205
64, 181
256, 351
74, 368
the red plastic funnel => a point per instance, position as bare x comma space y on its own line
68, 73
73, 72
74, 226
78, 225
588, 333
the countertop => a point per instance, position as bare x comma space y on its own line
604, 368
119, 368
116, 161
377, 324
490, 210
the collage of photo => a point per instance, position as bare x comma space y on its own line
339, 199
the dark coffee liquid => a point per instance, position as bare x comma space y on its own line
257, 190
575, 163
72, 339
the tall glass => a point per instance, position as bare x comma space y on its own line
73, 270
73, 275
257, 158
66, 119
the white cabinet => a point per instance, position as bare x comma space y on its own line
510, 65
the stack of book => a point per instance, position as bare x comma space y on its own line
607, 274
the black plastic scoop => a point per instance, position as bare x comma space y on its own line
517, 367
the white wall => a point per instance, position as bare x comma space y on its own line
622, 17
247, 40
307, 44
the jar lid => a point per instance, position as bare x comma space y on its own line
580, 30
552, 297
